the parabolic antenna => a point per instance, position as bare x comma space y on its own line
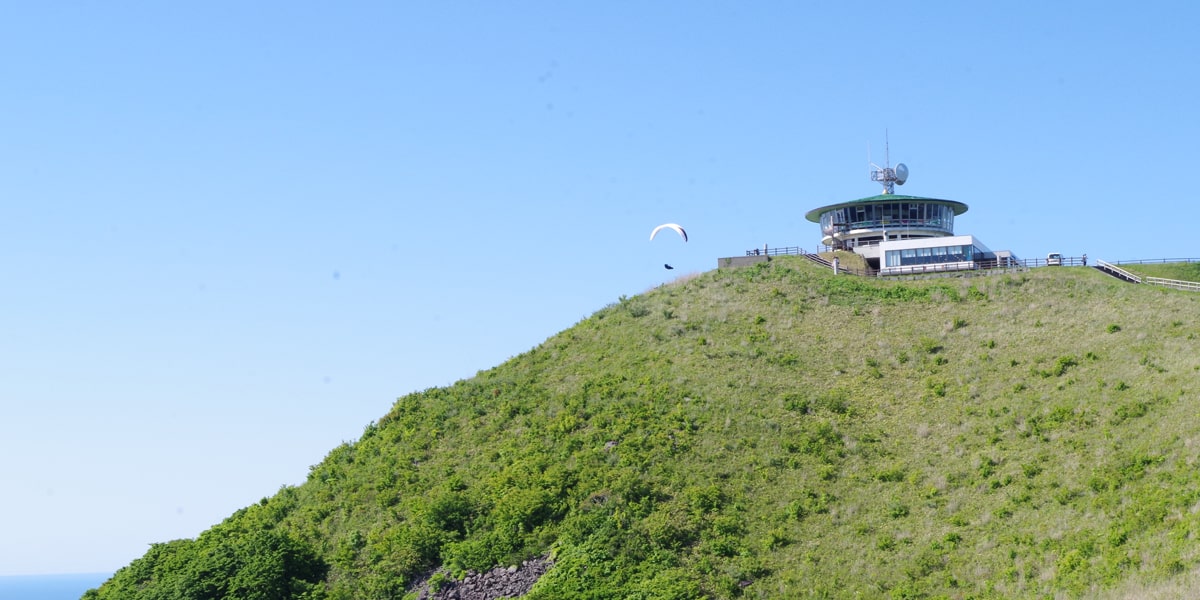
901, 173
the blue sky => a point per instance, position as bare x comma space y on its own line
232, 234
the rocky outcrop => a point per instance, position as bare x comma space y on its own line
501, 582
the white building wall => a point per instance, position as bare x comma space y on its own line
938, 242
953, 240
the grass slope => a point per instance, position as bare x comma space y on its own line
768, 432
1182, 271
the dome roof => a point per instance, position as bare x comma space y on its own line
814, 215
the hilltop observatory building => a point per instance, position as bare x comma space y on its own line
899, 234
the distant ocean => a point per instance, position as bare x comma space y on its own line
49, 587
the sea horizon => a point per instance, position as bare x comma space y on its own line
58, 586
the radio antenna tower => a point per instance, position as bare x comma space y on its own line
886, 175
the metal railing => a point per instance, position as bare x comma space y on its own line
1191, 286
1151, 261
1000, 263
769, 251
981, 264
1118, 272
993, 264
987, 264
1066, 261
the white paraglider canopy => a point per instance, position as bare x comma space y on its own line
677, 228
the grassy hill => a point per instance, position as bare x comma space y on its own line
768, 432
1182, 271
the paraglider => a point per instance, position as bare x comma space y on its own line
677, 228
667, 267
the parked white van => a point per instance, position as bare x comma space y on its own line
1054, 259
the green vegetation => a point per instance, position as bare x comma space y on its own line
767, 432
846, 259
1182, 271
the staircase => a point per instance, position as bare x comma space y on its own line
817, 259
1118, 272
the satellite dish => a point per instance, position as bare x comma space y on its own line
901, 173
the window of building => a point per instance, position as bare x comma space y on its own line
931, 256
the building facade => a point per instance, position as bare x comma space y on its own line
899, 234
885, 217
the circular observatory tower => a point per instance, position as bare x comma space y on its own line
863, 225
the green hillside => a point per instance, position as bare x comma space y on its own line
1182, 271
768, 432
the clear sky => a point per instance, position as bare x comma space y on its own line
233, 233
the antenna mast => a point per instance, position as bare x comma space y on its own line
886, 175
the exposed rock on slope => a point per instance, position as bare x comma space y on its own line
501, 582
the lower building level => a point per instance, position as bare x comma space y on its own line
951, 253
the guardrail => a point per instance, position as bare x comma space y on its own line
1003, 263
981, 264
768, 251
1151, 261
1191, 286
1117, 272
985, 264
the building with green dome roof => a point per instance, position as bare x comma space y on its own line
899, 234
868, 221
